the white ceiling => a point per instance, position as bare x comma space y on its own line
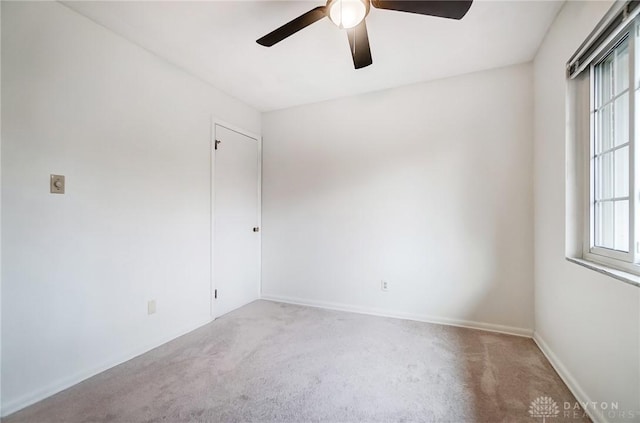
215, 40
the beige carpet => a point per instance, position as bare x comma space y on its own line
270, 362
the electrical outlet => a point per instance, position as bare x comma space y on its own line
151, 307
384, 285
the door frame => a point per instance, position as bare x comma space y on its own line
212, 282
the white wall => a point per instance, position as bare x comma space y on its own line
131, 133
427, 186
589, 323
0, 211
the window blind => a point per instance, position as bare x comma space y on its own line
616, 20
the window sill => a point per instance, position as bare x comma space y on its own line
621, 275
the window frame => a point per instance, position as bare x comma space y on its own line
626, 261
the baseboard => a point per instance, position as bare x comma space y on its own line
52, 389
490, 327
567, 378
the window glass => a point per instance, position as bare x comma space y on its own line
621, 225
604, 176
611, 150
621, 177
621, 67
604, 224
604, 133
620, 115
605, 80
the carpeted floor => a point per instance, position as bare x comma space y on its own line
271, 362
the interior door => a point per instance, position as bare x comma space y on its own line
236, 236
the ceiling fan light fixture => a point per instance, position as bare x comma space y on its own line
347, 14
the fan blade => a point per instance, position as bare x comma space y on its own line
452, 9
294, 26
359, 43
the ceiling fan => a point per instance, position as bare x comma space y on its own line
350, 15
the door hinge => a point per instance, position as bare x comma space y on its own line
216, 144
215, 294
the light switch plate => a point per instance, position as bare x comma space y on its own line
56, 184
151, 307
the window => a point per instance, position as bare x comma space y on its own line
610, 154
607, 66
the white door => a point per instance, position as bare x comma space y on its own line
236, 236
